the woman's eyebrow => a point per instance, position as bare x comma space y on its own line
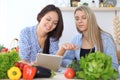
51, 18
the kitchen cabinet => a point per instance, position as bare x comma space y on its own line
95, 9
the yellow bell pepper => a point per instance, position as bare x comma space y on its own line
14, 73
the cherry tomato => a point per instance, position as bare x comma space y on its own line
17, 64
69, 73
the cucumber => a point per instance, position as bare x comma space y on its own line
43, 72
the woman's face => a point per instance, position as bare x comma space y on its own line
49, 21
81, 21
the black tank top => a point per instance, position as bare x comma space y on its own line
85, 52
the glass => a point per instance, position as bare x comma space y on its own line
110, 3
74, 3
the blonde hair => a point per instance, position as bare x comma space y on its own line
94, 31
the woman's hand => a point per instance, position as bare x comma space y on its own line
34, 63
25, 62
66, 46
69, 46
31, 63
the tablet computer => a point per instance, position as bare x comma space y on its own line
49, 61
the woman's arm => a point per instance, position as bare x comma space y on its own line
110, 49
24, 48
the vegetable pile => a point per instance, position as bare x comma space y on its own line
12, 68
7, 59
28, 72
95, 66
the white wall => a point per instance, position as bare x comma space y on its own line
17, 14
104, 19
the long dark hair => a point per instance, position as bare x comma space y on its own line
57, 32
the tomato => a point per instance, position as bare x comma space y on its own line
4, 50
16, 64
69, 73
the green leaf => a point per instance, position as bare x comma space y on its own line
80, 75
6, 61
1, 47
95, 66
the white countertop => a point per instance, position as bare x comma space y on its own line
58, 76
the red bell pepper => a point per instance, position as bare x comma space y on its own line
29, 72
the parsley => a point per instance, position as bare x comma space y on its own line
6, 61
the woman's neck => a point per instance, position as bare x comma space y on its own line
40, 33
86, 43
41, 36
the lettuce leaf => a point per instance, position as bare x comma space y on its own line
95, 66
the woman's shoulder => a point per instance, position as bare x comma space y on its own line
28, 29
77, 36
53, 39
106, 35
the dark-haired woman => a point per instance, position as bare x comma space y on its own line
43, 37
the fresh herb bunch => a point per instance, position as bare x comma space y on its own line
6, 61
95, 66
75, 65
1, 47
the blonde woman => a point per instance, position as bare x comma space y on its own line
91, 38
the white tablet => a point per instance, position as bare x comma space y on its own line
49, 61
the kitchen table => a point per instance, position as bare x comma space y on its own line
58, 76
